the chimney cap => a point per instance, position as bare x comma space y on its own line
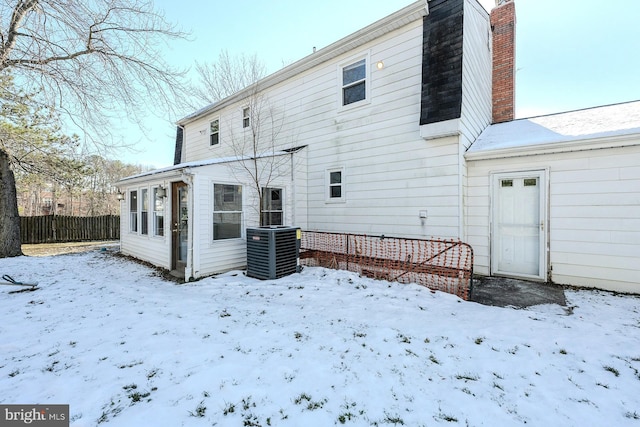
501, 2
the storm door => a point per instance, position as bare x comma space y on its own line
180, 227
518, 232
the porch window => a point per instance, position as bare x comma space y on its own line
227, 211
272, 213
354, 82
158, 214
214, 132
133, 211
144, 211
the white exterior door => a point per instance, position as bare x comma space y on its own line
518, 243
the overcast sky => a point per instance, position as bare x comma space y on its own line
570, 54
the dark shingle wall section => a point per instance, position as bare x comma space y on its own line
442, 61
178, 151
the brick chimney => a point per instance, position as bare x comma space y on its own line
503, 29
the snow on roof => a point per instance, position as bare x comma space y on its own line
593, 123
199, 163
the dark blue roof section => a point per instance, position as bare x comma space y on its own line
178, 151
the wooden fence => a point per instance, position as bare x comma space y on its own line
56, 228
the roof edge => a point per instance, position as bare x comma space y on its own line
583, 144
383, 26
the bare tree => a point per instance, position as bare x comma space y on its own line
258, 146
258, 151
226, 76
96, 61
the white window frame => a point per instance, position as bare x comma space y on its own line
157, 213
265, 211
367, 81
144, 211
328, 186
213, 211
217, 119
134, 222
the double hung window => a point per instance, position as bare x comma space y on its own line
133, 211
354, 84
272, 213
158, 214
227, 211
214, 132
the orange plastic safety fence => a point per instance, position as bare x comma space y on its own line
444, 265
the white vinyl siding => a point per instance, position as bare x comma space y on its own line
594, 225
391, 172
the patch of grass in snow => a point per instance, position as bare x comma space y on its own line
14, 373
347, 415
467, 377
563, 351
130, 365
51, 367
199, 411
404, 339
229, 408
467, 391
633, 415
613, 370
392, 419
479, 340
433, 359
447, 418
304, 398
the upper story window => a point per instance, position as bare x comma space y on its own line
214, 132
245, 117
354, 82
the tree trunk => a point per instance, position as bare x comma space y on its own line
9, 218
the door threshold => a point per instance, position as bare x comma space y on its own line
177, 273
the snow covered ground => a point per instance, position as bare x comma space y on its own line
123, 347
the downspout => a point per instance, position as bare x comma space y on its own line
187, 178
293, 192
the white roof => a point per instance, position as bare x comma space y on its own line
169, 170
611, 121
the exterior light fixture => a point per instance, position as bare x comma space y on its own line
120, 195
161, 192
380, 65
